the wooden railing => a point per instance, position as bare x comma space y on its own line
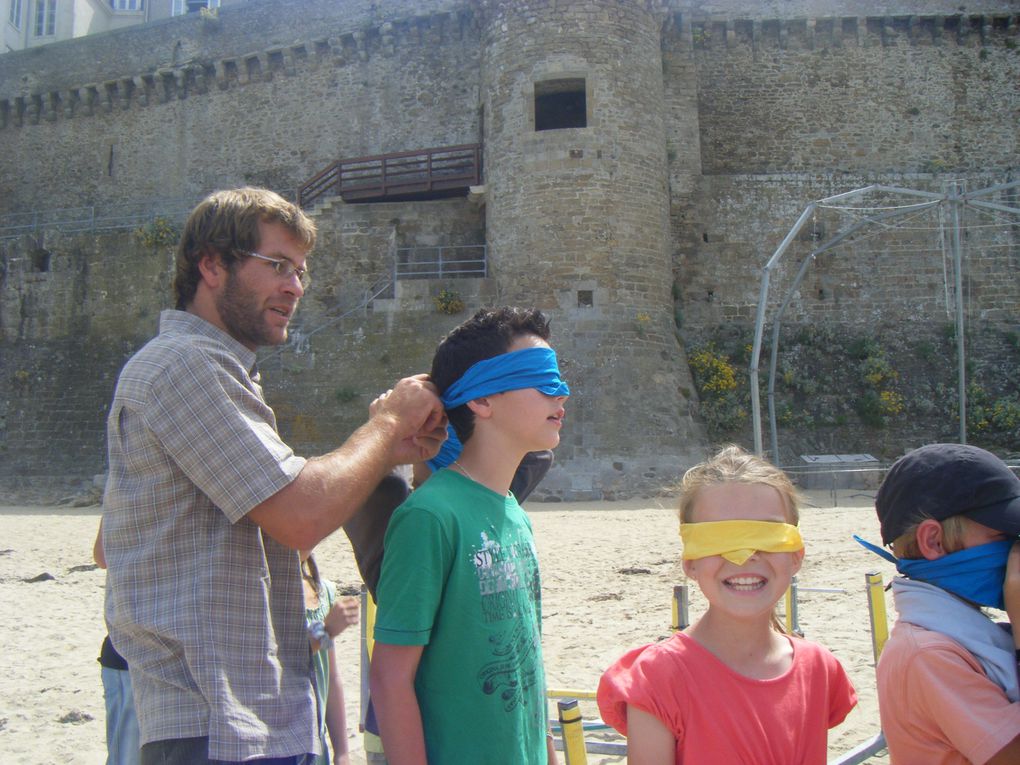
408, 174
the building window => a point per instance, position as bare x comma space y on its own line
126, 5
181, 7
15, 17
560, 104
45, 18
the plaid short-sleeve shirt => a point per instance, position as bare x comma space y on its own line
207, 610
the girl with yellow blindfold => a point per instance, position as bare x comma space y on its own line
733, 687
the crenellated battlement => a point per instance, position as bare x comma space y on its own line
199, 75
835, 32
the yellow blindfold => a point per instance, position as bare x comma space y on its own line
737, 541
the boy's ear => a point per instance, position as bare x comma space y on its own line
690, 569
481, 407
929, 539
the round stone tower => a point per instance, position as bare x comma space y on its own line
577, 205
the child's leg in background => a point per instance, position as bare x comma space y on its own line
121, 724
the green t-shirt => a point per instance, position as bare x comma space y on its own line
460, 577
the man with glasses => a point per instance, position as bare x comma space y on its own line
205, 506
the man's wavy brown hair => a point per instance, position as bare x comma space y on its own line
226, 223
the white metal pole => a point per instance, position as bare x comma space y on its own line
955, 201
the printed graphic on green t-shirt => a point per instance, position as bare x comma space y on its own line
503, 570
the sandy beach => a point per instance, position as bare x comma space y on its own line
608, 571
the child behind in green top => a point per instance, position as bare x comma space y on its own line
326, 617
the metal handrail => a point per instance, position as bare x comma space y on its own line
91, 218
110, 217
441, 262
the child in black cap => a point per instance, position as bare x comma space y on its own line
947, 679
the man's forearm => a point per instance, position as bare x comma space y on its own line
406, 424
330, 489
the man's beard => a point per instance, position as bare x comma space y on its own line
242, 315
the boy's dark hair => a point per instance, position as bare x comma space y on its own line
490, 332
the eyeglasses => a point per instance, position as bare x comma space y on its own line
285, 269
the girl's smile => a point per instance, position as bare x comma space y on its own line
743, 583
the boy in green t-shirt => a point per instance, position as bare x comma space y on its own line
456, 673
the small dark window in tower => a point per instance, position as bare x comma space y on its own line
585, 298
560, 104
40, 260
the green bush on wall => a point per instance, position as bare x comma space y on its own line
345, 395
998, 418
723, 405
448, 301
160, 233
831, 380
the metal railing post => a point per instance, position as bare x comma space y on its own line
792, 620
681, 608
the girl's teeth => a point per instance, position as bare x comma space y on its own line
746, 583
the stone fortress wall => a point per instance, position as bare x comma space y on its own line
709, 128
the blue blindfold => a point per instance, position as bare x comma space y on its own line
528, 368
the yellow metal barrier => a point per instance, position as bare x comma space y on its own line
877, 612
373, 744
573, 732
569, 693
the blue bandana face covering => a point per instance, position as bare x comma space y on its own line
527, 368
975, 574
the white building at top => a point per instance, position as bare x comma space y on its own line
30, 23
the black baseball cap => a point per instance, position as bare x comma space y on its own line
940, 480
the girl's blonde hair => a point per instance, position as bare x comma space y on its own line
734, 465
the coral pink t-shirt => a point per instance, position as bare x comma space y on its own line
720, 716
938, 706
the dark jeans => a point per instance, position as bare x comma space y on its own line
195, 751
